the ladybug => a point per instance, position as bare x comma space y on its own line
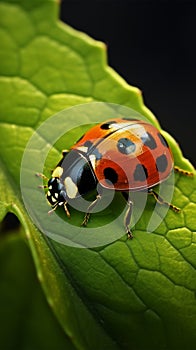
120, 154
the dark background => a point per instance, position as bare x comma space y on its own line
151, 44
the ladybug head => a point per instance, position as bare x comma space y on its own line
56, 194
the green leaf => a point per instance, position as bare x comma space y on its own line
25, 318
125, 295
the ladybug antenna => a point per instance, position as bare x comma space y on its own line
43, 186
66, 209
42, 176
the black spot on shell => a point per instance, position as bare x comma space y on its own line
148, 140
140, 173
161, 163
88, 144
106, 126
111, 175
163, 140
126, 146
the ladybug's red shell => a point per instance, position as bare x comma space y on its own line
127, 154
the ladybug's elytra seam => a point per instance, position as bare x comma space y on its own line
111, 175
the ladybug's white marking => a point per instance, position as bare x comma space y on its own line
119, 125
56, 195
138, 130
92, 160
83, 149
50, 187
53, 199
49, 193
71, 187
57, 172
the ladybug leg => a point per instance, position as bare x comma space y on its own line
182, 171
53, 209
88, 213
66, 209
127, 219
128, 214
86, 219
160, 200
